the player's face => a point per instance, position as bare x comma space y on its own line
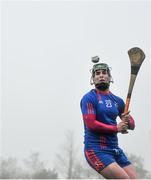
101, 76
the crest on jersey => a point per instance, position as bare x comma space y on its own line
108, 103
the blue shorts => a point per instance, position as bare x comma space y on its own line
99, 159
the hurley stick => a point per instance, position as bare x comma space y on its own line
136, 56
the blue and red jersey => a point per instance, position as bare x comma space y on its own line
100, 110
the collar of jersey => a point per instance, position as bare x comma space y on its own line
102, 92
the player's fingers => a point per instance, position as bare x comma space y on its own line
124, 128
126, 118
124, 122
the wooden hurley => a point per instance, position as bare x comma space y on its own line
136, 56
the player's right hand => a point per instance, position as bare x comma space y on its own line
122, 126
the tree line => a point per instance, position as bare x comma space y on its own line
68, 165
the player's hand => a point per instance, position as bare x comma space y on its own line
126, 118
122, 126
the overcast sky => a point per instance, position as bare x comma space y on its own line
46, 55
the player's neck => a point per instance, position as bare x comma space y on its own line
102, 92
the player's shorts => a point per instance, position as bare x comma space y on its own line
99, 159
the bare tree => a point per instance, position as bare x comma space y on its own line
68, 161
9, 169
32, 168
37, 169
66, 158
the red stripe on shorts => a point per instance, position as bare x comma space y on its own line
94, 161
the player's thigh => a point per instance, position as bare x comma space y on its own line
130, 170
114, 171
